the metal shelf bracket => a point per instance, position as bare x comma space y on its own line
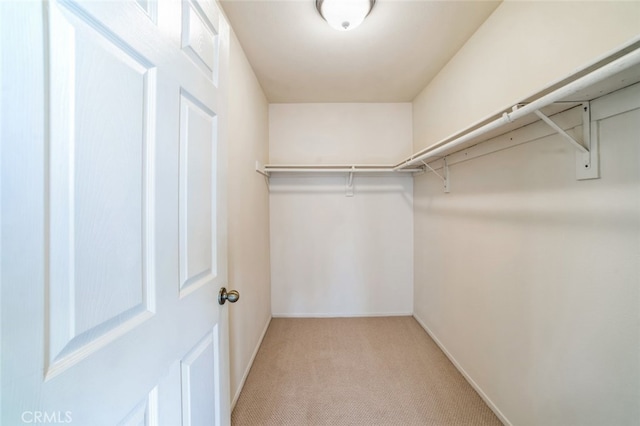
587, 166
349, 188
260, 169
445, 178
588, 163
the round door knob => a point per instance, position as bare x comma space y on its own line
232, 296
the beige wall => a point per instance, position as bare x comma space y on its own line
249, 270
333, 255
526, 277
520, 49
341, 256
529, 279
339, 133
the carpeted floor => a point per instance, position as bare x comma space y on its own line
355, 371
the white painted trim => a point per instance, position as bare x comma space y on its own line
345, 315
570, 120
576, 88
249, 365
467, 377
624, 100
618, 102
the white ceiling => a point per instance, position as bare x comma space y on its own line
391, 57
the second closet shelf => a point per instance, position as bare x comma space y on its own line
268, 169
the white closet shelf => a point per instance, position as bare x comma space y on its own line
348, 169
268, 169
614, 72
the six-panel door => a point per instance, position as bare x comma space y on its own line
113, 213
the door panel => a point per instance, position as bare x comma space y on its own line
113, 223
198, 374
100, 188
200, 37
198, 130
145, 413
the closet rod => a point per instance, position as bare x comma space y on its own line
608, 70
334, 166
312, 169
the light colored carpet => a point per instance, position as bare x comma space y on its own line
355, 371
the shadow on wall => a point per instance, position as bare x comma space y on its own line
559, 210
323, 184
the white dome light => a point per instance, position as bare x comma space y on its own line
344, 15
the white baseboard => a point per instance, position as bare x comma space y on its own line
246, 372
348, 315
468, 378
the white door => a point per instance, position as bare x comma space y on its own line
113, 224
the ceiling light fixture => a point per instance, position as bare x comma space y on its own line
344, 15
